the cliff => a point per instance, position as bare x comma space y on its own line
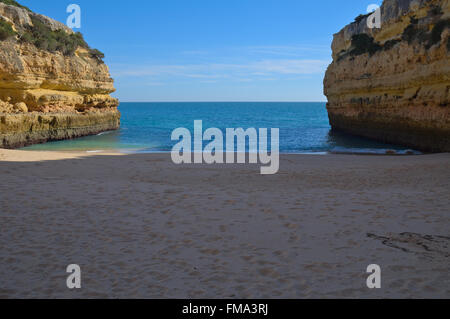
392, 84
52, 84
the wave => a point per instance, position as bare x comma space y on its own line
104, 133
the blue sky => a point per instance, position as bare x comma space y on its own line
212, 50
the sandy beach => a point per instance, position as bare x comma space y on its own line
140, 226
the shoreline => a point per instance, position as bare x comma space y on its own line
7, 154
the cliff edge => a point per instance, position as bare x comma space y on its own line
392, 84
53, 86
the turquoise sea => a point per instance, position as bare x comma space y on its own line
147, 127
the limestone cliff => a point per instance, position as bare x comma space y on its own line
52, 85
392, 84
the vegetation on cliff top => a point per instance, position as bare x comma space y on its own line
359, 18
14, 3
44, 38
413, 33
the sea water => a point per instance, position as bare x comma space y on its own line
147, 127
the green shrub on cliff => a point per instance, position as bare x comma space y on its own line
390, 44
42, 36
438, 28
363, 43
96, 54
14, 3
435, 11
6, 30
359, 18
414, 20
419, 34
413, 32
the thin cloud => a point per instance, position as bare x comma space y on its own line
289, 50
196, 52
291, 66
219, 70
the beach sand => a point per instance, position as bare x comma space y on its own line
141, 227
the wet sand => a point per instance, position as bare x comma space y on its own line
142, 227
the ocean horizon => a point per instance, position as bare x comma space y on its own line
146, 127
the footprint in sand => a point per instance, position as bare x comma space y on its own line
427, 245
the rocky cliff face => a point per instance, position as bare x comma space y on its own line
52, 85
392, 84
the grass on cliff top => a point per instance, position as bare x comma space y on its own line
359, 18
14, 3
42, 36
6, 30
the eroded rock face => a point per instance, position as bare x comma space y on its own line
392, 84
71, 92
